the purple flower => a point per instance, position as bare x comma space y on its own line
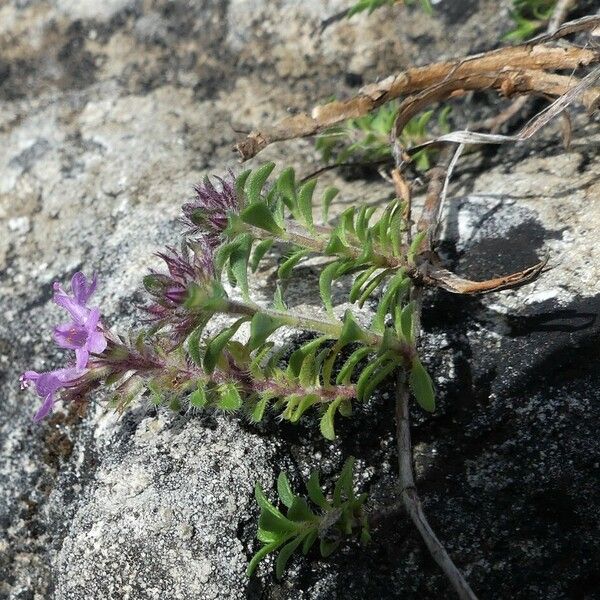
82, 291
170, 290
208, 212
47, 384
82, 334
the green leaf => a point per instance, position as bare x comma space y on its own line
299, 511
257, 180
422, 386
261, 327
348, 367
286, 184
285, 270
260, 555
370, 376
297, 357
194, 346
309, 540
371, 383
371, 286
315, 493
284, 490
335, 245
308, 375
325, 280
285, 554
351, 330
198, 398
329, 194
327, 548
406, 321
240, 183
343, 486
259, 215
416, 246
278, 302
229, 397
326, 424
259, 251
305, 194
303, 406
273, 520
239, 263
215, 347
359, 282
259, 409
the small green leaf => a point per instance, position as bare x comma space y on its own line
259, 215
273, 519
406, 322
351, 330
284, 490
305, 194
328, 196
240, 183
198, 398
215, 347
285, 270
261, 327
229, 397
325, 280
284, 555
259, 409
297, 357
259, 251
309, 540
326, 424
422, 386
299, 511
348, 367
278, 302
257, 180
239, 263
415, 246
359, 282
315, 493
260, 555
343, 486
286, 184
327, 548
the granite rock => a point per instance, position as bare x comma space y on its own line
109, 113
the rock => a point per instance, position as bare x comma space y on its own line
108, 115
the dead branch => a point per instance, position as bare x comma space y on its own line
494, 124
410, 497
417, 79
412, 502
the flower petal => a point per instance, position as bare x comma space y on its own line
96, 342
70, 335
81, 290
47, 383
45, 409
82, 356
76, 310
28, 378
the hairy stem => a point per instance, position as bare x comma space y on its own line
326, 327
317, 243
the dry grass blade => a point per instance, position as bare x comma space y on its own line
584, 88
457, 285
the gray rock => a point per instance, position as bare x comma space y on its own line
108, 115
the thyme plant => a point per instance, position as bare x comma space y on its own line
184, 357
174, 362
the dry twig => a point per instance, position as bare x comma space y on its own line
527, 56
